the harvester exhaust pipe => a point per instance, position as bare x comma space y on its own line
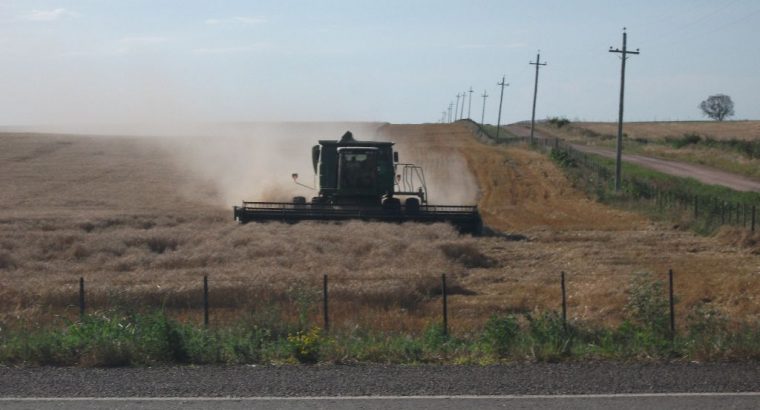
295, 179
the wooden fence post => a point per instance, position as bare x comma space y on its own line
753, 218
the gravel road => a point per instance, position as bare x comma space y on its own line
372, 380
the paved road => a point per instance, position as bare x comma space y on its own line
366, 380
619, 402
548, 386
701, 173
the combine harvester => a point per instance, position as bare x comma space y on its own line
362, 180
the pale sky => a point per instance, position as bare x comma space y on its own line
111, 61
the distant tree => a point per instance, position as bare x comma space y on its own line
717, 107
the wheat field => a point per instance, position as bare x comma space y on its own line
143, 224
720, 130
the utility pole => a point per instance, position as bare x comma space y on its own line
469, 107
538, 64
456, 109
443, 117
503, 84
451, 104
483, 115
619, 152
461, 114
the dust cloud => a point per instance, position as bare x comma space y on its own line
448, 178
222, 164
255, 161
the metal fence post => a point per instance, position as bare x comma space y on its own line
672, 307
324, 304
81, 298
445, 305
205, 300
722, 212
564, 301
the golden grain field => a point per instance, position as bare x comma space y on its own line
745, 130
143, 228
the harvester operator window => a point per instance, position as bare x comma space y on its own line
358, 169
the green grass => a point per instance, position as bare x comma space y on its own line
116, 338
504, 136
658, 195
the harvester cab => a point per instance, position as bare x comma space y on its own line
362, 180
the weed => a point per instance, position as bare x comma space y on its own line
708, 332
305, 299
563, 158
306, 345
549, 340
685, 140
500, 335
648, 305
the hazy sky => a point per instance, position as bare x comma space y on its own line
109, 61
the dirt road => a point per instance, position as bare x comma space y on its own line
701, 173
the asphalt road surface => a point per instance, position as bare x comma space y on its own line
521, 385
707, 175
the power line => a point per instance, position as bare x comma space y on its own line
538, 65
503, 84
619, 149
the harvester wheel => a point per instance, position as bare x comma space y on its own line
299, 200
412, 205
392, 204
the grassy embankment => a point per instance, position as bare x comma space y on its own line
120, 338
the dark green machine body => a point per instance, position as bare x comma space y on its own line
362, 180
353, 172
